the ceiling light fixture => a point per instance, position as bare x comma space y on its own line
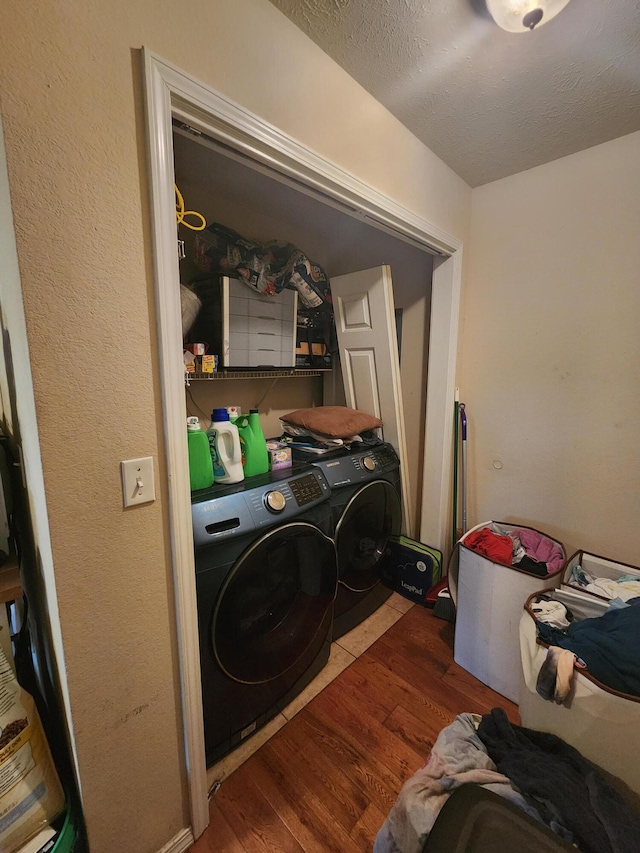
518, 16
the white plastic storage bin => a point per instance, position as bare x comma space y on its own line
602, 723
489, 598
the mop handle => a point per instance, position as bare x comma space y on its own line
456, 419
463, 421
463, 424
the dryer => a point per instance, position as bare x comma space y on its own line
366, 507
266, 579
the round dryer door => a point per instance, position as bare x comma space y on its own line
274, 603
372, 515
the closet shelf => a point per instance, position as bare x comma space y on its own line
254, 374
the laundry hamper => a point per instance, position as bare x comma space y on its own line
602, 723
489, 598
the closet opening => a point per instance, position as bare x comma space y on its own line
173, 95
261, 206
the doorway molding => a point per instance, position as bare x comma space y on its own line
171, 93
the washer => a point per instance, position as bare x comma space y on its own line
266, 580
367, 509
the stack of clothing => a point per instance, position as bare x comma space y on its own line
539, 772
523, 548
324, 428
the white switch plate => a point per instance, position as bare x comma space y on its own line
137, 481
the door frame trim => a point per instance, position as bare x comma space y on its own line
170, 92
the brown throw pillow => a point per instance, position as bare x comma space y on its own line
332, 421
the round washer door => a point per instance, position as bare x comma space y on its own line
274, 602
372, 515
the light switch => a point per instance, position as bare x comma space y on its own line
137, 481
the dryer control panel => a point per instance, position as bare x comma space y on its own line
359, 466
256, 507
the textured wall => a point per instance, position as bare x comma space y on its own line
71, 99
551, 350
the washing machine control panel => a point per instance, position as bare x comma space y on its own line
306, 489
359, 467
385, 457
247, 508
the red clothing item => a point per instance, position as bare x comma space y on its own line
497, 548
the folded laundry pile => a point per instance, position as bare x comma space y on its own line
538, 772
523, 548
323, 428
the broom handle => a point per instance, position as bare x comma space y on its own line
463, 424
454, 531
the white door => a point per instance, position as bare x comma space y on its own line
365, 323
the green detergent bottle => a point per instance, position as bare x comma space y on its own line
200, 464
255, 458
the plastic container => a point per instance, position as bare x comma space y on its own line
224, 448
255, 456
489, 598
599, 721
200, 464
69, 837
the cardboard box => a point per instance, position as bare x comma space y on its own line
279, 455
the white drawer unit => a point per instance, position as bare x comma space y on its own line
243, 327
267, 340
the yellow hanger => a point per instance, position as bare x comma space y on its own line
181, 213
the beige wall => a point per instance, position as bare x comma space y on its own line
551, 349
71, 97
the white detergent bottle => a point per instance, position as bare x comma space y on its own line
224, 443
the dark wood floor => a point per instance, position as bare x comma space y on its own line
326, 781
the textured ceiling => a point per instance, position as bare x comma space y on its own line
488, 102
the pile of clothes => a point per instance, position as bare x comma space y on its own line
521, 547
623, 589
602, 636
539, 772
608, 646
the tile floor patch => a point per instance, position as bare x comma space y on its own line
399, 602
366, 633
226, 766
339, 660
